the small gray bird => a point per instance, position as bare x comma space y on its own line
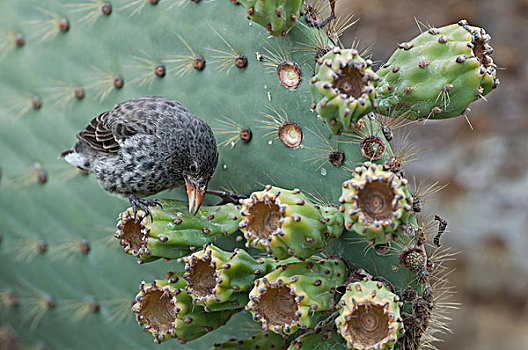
147, 145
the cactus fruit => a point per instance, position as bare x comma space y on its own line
220, 280
277, 16
376, 202
296, 295
369, 316
263, 340
166, 311
343, 89
439, 73
174, 232
286, 223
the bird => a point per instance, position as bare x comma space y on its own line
144, 146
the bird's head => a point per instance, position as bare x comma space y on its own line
199, 170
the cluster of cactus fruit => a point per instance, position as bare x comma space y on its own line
335, 254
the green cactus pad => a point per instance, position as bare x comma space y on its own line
286, 223
375, 202
323, 340
174, 232
369, 316
439, 73
264, 340
221, 280
277, 16
166, 311
343, 89
296, 295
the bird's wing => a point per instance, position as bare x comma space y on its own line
108, 130
103, 133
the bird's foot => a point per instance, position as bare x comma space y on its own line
143, 204
228, 197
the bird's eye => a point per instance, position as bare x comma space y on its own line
193, 168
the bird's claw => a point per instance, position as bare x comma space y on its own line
143, 204
228, 197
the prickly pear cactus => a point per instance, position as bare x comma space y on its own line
369, 316
439, 73
277, 16
343, 88
286, 223
337, 212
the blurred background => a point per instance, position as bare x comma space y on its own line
485, 166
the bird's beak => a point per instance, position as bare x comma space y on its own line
196, 194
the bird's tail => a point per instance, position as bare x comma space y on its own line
76, 157
65, 153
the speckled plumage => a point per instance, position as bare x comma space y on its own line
144, 146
